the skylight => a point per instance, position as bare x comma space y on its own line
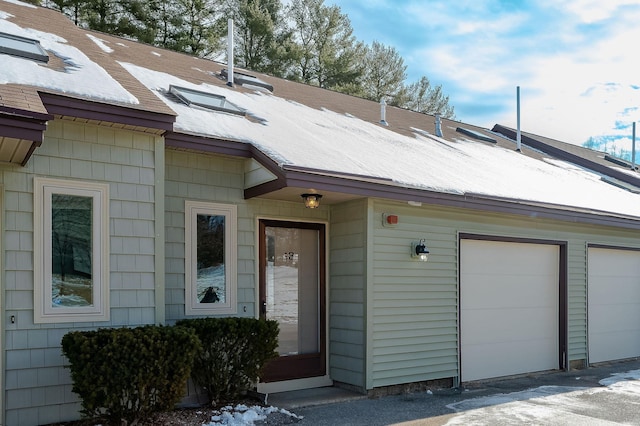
205, 100
247, 79
475, 135
22, 47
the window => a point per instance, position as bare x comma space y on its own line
71, 251
205, 100
22, 47
210, 258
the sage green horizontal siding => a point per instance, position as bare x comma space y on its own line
415, 304
347, 266
38, 386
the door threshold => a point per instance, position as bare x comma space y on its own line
296, 384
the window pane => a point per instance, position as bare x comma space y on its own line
211, 282
71, 249
292, 288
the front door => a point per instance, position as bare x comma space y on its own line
292, 292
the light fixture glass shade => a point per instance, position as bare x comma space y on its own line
311, 201
419, 250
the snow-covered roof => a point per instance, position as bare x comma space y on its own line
313, 128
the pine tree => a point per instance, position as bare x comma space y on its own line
330, 55
384, 72
421, 96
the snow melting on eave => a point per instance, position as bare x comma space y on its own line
292, 133
20, 3
81, 76
100, 43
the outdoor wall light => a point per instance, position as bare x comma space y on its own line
419, 250
311, 201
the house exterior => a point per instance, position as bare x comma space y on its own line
138, 187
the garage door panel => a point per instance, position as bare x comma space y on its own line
514, 291
500, 257
605, 260
480, 361
601, 320
614, 345
509, 301
508, 324
613, 290
613, 304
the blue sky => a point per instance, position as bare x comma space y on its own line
577, 62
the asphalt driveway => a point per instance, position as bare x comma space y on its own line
603, 395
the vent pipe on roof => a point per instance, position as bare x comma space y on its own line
230, 53
383, 112
633, 147
438, 126
518, 135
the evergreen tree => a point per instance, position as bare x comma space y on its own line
421, 96
200, 29
330, 56
384, 72
264, 43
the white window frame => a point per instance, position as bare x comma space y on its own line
230, 213
44, 312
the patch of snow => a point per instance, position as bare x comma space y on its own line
542, 405
628, 171
331, 141
21, 3
241, 415
78, 78
620, 377
101, 43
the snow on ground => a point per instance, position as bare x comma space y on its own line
241, 415
544, 405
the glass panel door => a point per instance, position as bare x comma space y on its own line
292, 293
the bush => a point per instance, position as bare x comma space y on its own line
128, 373
233, 353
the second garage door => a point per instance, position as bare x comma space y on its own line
509, 308
614, 304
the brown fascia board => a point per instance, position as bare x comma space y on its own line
91, 110
386, 190
567, 156
21, 127
207, 144
368, 186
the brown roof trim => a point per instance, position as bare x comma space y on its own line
369, 186
207, 144
21, 127
91, 110
25, 113
466, 201
567, 156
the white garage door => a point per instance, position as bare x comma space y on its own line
508, 308
614, 304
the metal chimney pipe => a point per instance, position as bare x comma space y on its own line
383, 112
518, 134
633, 146
230, 53
438, 126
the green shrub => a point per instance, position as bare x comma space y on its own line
128, 373
233, 353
